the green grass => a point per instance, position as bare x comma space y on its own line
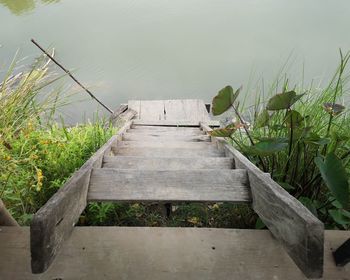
219, 215
37, 155
39, 160
304, 145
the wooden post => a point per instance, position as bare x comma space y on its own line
6, 218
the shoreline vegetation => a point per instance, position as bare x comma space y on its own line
301, 137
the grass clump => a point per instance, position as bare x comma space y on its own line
216, 215
37, 155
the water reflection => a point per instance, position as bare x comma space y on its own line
19, 7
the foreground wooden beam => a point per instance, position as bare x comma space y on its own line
134, 253
6, 218
301, 233
55, 221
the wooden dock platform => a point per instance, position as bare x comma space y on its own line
164, 153
134, 253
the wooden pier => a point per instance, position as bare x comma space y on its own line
163, 153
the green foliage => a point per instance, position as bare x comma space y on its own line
283, 101
267, 147
304, 144
223, 132
222, 215
41, 159
335, 177
263, 119
37, 155
224, 100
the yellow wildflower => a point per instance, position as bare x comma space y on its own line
193, 220
216, 206
39, 177
7, 157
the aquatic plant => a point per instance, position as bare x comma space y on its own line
302, 138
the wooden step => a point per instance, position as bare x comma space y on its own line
166, 144
169, 152
163, 137
184, 123
165, 128
171, 163
165, 132
169, 186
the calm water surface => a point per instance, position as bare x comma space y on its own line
177, 49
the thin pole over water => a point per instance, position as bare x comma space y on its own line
70, 75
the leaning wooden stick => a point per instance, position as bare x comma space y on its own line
70, 75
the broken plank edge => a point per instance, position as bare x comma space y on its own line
301, 233
6, 218
54, 222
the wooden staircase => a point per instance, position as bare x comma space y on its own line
165, 155
149, 166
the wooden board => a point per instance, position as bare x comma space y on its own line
165, 137
171, 163
166, 123
168, 186
165, 144
164, 132
164, 253
151, 110
182, 109
160, 152
173, 123
164, 128
136, 106
54, 222
186, 109
301, 233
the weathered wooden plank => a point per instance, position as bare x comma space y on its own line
139, 252
174, 123
301, 233
178, 129
186, 109
151, 110
121, 109
167, 132
172, 163
160, 152
165, 137
141, 133
181, 109
148, 109
177, 185
136, 106
185, 123
6, 218
120, 116
165, 144
54, 222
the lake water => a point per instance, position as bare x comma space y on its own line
161, 49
